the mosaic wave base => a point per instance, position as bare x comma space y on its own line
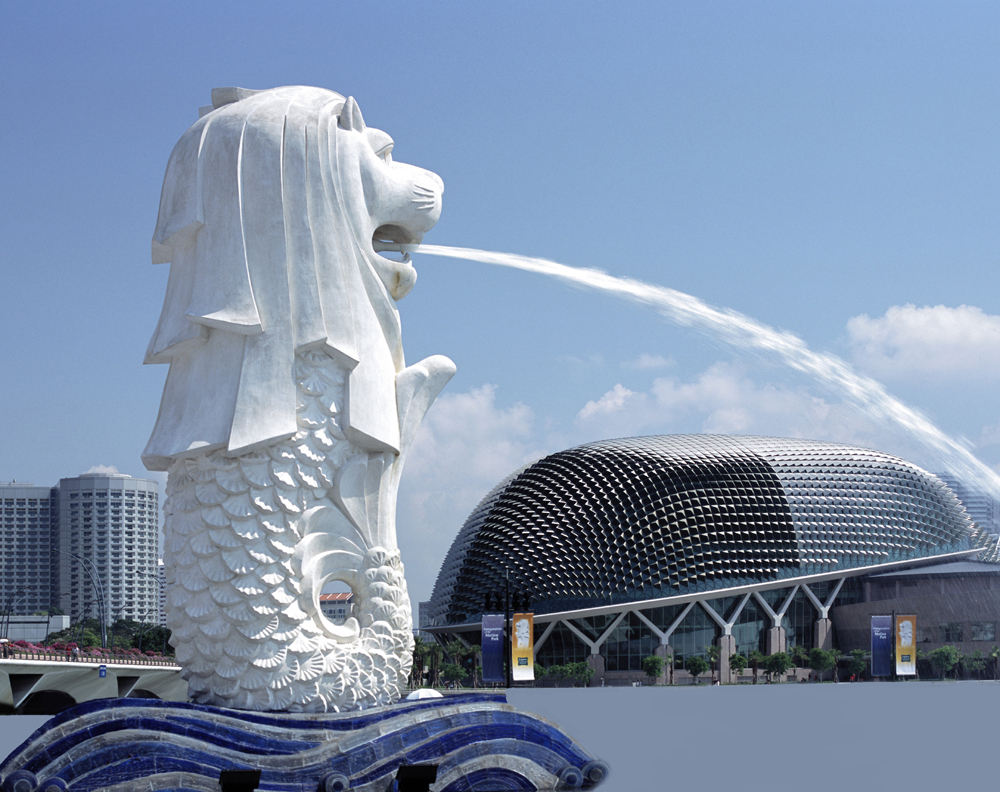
479, 742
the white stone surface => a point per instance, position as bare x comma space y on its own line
288, 409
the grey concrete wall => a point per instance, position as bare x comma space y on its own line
678, 737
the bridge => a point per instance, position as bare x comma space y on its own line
36, 684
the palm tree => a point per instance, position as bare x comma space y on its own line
476, 652
435, 652
713, 653
420, 647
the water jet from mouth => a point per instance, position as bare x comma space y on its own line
742, 332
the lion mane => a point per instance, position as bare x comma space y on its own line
287, 409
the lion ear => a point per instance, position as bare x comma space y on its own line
350, 116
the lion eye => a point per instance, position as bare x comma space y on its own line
381, 143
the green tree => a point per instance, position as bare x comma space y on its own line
453, 673
456, 651
476, 653
995, 658
713, 652
652, 666
696, 666
756, 660
944, 659
800, 656
857, 662
975, 663
777, 664
821, 661
738, 664
435, 653
540, 671
419, 657
558, 673
580, 672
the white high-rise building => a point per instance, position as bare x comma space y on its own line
26, 563
107, 538
983, 508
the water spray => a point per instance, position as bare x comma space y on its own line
742, 332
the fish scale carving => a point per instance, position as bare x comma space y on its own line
247, 558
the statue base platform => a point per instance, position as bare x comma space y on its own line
476, 741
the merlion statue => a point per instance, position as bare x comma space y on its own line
287, 409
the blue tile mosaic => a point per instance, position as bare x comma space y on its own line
104, 742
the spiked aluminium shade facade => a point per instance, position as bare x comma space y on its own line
610, 527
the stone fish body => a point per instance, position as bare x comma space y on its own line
288, 409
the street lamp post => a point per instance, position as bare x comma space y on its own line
11, 601
142, 621
98, 591
114, 623
163, 587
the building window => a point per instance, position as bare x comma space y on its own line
952, 631
693, 636
984, 631
631, 641
561, 647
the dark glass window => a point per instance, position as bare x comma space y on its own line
983, 631
851, 593
664, 617
776, 597
725, 606
693, 636
952, 631
799, 621
561, 647
750, 630
631, 641
594, 626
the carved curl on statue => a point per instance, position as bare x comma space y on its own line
287, 409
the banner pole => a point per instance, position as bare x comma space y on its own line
506, 625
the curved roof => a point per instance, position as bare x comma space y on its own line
649, 517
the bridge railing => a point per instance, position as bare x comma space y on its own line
17, 653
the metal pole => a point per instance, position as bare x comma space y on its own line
6, 613
506, 620
98, 590
14, 599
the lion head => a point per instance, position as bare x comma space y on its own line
270, 205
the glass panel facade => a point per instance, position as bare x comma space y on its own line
984, 631
851, 593
799, 621
694, 635
561, 647
725, 606
951, 632
630, 642
776, 597
594, 626
665, 616
750, 630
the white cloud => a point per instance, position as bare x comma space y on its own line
928, 342
102, 470
465, 447
725, 399
612, 402
646, 362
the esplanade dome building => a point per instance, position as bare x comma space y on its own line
667, 545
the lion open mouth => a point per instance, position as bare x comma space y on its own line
395, 239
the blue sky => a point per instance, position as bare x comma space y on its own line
829, 169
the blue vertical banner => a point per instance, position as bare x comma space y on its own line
883, 646
493, 648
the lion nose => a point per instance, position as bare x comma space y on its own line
437, 181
